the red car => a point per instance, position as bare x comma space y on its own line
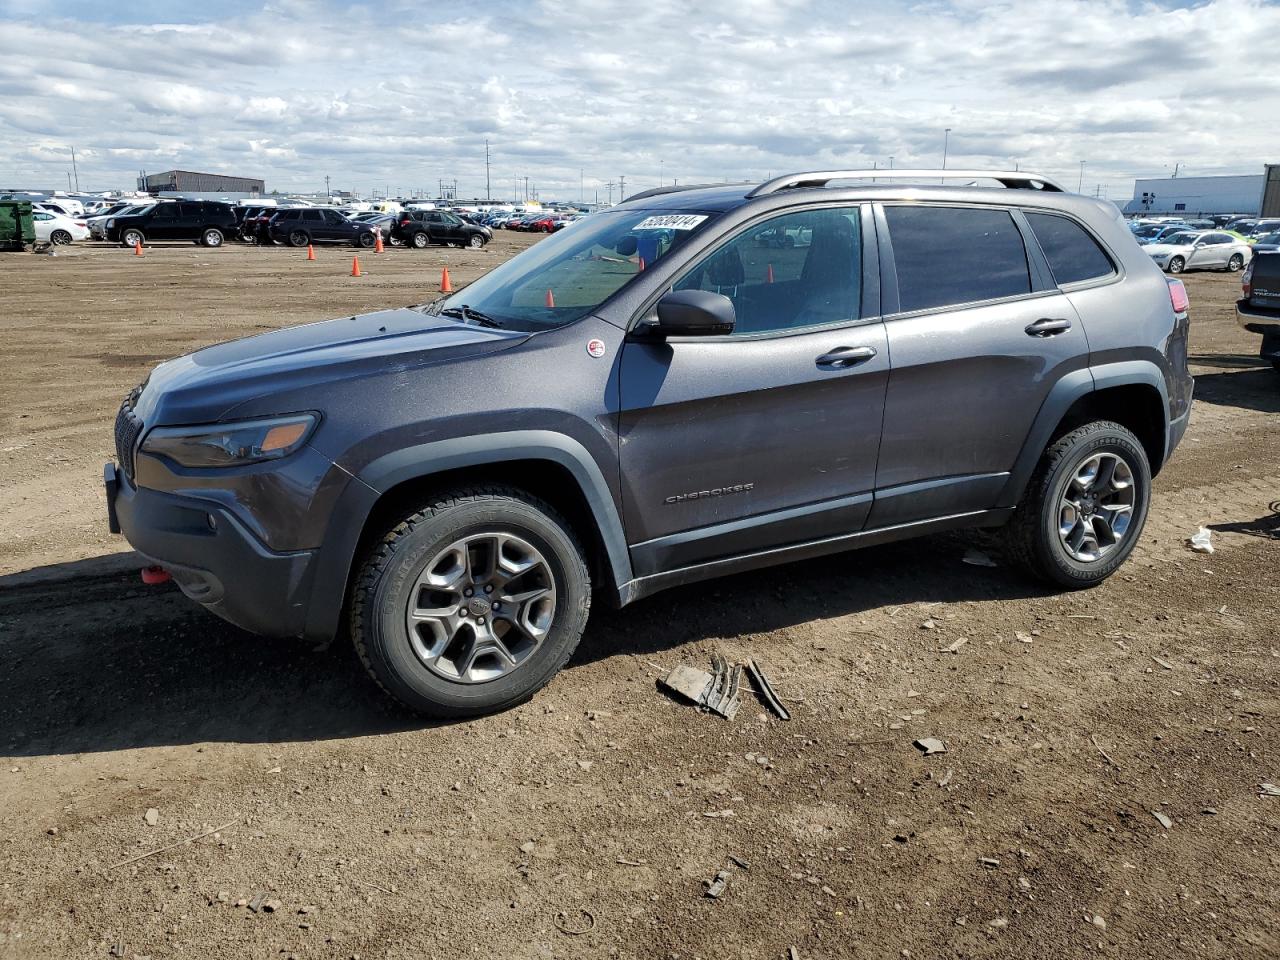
544, 224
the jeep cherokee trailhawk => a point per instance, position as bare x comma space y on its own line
695, 382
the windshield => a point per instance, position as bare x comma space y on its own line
1180, 239
1270, 238
566, 276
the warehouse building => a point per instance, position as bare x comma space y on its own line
1197, 196
187, 181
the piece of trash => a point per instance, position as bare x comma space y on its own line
793, 953
1096, 919
716, 887
256, 903
630, 863
930, 745
1164, 663
1201, 542
1269, 790
740, 862
716, 692
976, 558
999, 923
1022, 637
929, 624
765, 689
585, 924
1164, 819
152, 817
989, 862
955, 645
719, 814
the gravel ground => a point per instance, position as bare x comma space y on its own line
585, 823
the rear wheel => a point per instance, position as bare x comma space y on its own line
1084, 507
420, 241
1176, 264
1236, 263
212, 237
299, 238
472, 603
60, 237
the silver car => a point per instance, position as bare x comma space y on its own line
1200, 250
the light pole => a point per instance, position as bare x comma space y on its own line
328, 196
946, 139
1080, 185
661, 166
891, 163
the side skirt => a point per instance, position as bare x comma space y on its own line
640, 587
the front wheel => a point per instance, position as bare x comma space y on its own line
1084, 507
60, 237
366, 240
1176, 264
132, 238
471, 604
1236, 263
476, 241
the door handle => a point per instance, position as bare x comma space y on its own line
842, 357
1048, 327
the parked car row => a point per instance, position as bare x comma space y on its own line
1200, 250
1247, 229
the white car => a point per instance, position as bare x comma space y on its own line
1200, 250
55, 228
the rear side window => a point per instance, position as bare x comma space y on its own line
1073, 255
952, 255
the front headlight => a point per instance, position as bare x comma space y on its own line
231, 444
111, 222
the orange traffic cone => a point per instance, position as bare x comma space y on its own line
445, 285
377, 244
769, 276
311, 252
551, 298
137, 249
355, 266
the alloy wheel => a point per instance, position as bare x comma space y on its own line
60, 237
1096, 507
481, 607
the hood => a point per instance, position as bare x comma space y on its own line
209, 384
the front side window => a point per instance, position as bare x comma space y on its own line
948, 256
569, 274
798, 270
1073, 255
165, 211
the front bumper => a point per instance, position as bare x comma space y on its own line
213, 558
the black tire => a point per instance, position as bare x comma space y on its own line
366, 240
1236, 263
1176, 264
420, 240
298, 238
127, 238
211, 237
1031, 537
476, 241
60, 238
387, 576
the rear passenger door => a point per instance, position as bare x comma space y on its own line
978, 334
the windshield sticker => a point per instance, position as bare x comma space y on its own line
675, 221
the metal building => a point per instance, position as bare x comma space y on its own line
189, 181
1197, 196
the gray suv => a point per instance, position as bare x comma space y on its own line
696, 382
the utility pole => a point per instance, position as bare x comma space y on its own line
68, 181
661, 182
622, 188
526, 189
891, 163
946, 138
582, 186
1080, 185
328, 194
73, 167
486, 168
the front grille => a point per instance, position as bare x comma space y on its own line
128, 429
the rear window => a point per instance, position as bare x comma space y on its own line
1073, 255
952, 255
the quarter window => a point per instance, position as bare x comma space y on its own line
797, 270
952, 255
1073, 255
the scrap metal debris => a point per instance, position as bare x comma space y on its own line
1268, 790
765, 689
722, 698
931, 745
714, 888
585, 925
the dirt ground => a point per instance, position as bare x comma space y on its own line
585, 823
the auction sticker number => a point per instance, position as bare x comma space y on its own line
674, 221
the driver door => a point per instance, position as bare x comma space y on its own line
767, 436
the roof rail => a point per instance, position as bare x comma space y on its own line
820, 178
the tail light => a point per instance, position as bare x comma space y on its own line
405, 222
81, 223
1246, 281
1178, 296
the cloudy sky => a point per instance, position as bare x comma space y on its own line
404, 94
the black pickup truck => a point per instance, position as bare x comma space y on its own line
1259, 309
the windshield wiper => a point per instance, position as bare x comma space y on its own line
469, 314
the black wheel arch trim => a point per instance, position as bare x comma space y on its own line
337, 554
1070, 388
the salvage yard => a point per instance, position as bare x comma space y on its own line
171, 786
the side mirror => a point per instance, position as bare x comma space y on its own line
693, 313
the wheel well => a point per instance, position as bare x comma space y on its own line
1137, 407
544, 479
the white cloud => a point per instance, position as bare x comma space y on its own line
405, 94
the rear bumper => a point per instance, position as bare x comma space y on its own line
213, 558
1262, 321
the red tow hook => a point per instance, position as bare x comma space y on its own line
154, 575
